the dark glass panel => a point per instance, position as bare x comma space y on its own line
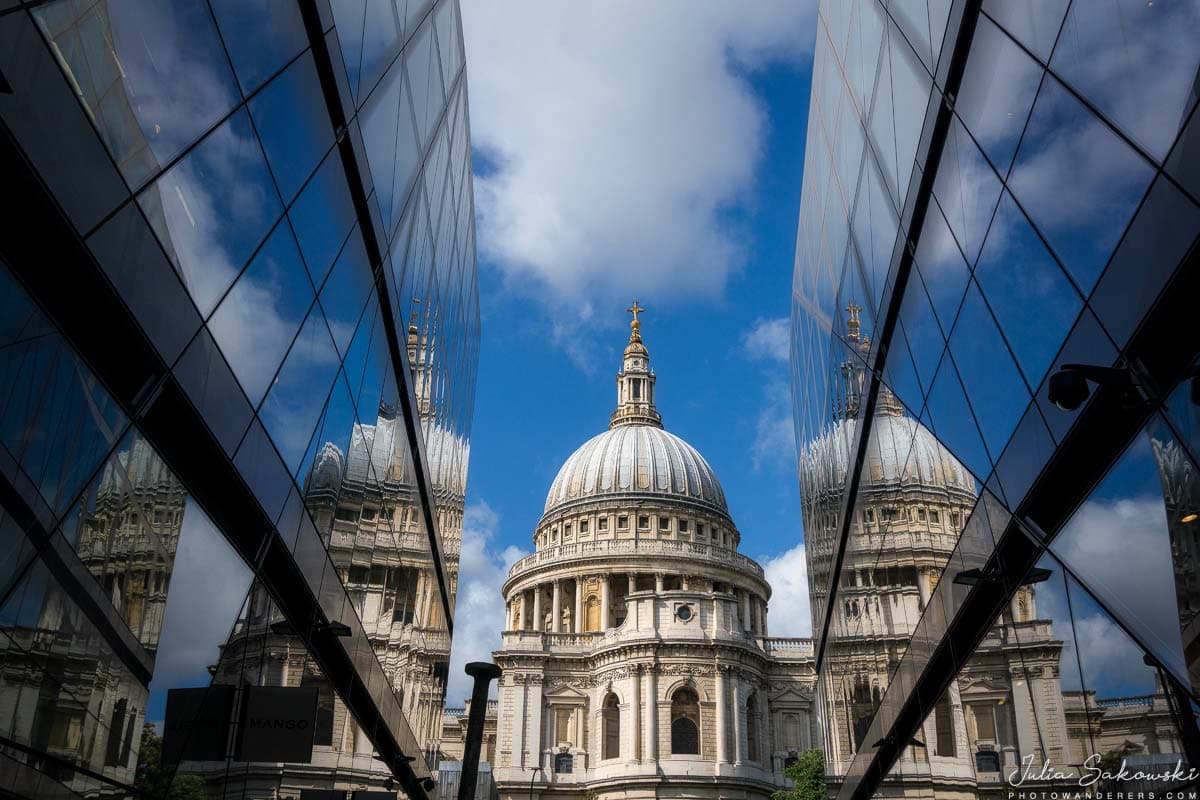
1034, 301
322, 216
294, 126
260, 35
991, 379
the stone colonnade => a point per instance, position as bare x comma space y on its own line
585, 603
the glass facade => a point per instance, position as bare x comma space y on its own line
995, 387
239, 328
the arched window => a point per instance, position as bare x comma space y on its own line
752, 727
685, 722
612, 727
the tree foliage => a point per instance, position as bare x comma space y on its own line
160, 781
808, 775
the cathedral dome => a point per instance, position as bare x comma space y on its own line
637, 460
901, 450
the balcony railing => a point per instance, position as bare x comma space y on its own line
648, 547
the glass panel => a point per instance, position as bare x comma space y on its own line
1077, 181
294, 126
345, 293
940, 263
911, 85
322, 216
260, 35
383, 27
212, 209
1137, 63
997, 93
1034, 302
1134, 555
1033, 23
255, 323
967, 190
56, 422
953, 421
424, 80
993, 384
175, 80
292, 407
1158, 238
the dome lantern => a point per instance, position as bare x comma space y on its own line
635, 381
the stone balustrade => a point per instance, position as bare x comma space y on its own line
564, 553
788, 647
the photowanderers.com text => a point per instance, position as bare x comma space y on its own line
1184, 782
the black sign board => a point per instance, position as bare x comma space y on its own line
373, 795
196, 727
278, 724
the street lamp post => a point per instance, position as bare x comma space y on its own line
533, 771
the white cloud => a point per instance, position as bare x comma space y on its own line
209, 582
615, 136
774, 434
479, 608
1115, 546
788, 575
769, 339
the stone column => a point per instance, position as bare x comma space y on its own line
722, 723
746, 613
556, 608
737, 710
605, 600
658, 582
632, 583
762, 618
636, 716
578, 605
521, 609
683, 582
537, 607
419, 598
652, 714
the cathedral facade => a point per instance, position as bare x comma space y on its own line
636, 655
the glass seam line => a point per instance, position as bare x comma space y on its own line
325, 71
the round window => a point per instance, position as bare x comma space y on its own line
684, 613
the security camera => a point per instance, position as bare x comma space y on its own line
1068, 390
1068, 387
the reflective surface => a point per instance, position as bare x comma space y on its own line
1059, 206
216, 201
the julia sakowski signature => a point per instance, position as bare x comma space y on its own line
1093, 772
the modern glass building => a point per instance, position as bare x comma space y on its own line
996, 393
239, 326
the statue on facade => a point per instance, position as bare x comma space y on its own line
566, 620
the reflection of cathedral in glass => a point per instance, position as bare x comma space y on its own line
914, 500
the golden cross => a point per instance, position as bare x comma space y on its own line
635, 309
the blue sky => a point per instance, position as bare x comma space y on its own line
624, 198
